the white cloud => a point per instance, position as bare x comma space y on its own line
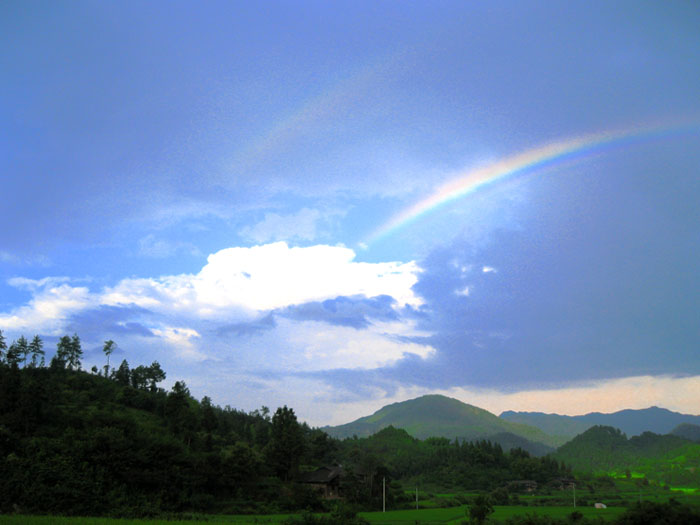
50, 307
10, 258
150, 246
237, 284
327, 347
275, 275
302, 226
242, 281
181, 340
488, 269
294, 346
34, 284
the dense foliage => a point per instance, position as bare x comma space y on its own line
665, 458
112, 442
451, 464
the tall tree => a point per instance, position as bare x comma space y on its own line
286, 443
178, 412
76, 353
209, 421
17, 353
155, 374
63, 352
109, 347
123, 375
36, 348
139, 377
3, 347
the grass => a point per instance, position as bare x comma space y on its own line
423, 516
269, 519
448, 516
502, 513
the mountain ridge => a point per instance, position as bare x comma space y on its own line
633, 422
441, 416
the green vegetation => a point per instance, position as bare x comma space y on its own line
453, 465
667, 459
435, 415
687, 431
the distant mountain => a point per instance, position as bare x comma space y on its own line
440, 416
631, 422
687, 431
671, 459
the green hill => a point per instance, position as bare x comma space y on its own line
441, 462
74, 443
441, 416
665, 458
687, 431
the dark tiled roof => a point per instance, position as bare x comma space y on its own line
322, 475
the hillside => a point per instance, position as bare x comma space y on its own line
74, 443
631, 422
441, 416
687, 431
439, 461
666, 458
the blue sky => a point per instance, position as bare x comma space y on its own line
201, 183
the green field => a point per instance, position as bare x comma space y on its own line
449, 516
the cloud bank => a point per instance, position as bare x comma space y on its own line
269, 309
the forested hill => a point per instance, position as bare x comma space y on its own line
441, 416
79, 443
666, 458
464, 465
631, 422
687, 431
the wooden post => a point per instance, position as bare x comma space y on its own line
383, 494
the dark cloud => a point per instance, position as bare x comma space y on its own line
107, 321
355, 312
591, 286
251, 328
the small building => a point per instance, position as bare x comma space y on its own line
325, 480
562, 483
524, 485
600, 506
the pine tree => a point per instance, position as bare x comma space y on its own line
36, 348
108, 349
123, 374
17, 353
76, 353
3, 348
63, 351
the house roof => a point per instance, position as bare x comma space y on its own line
323, 475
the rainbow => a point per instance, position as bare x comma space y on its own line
526, 162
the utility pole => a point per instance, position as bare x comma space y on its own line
416, 497
574, 495
383, 494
